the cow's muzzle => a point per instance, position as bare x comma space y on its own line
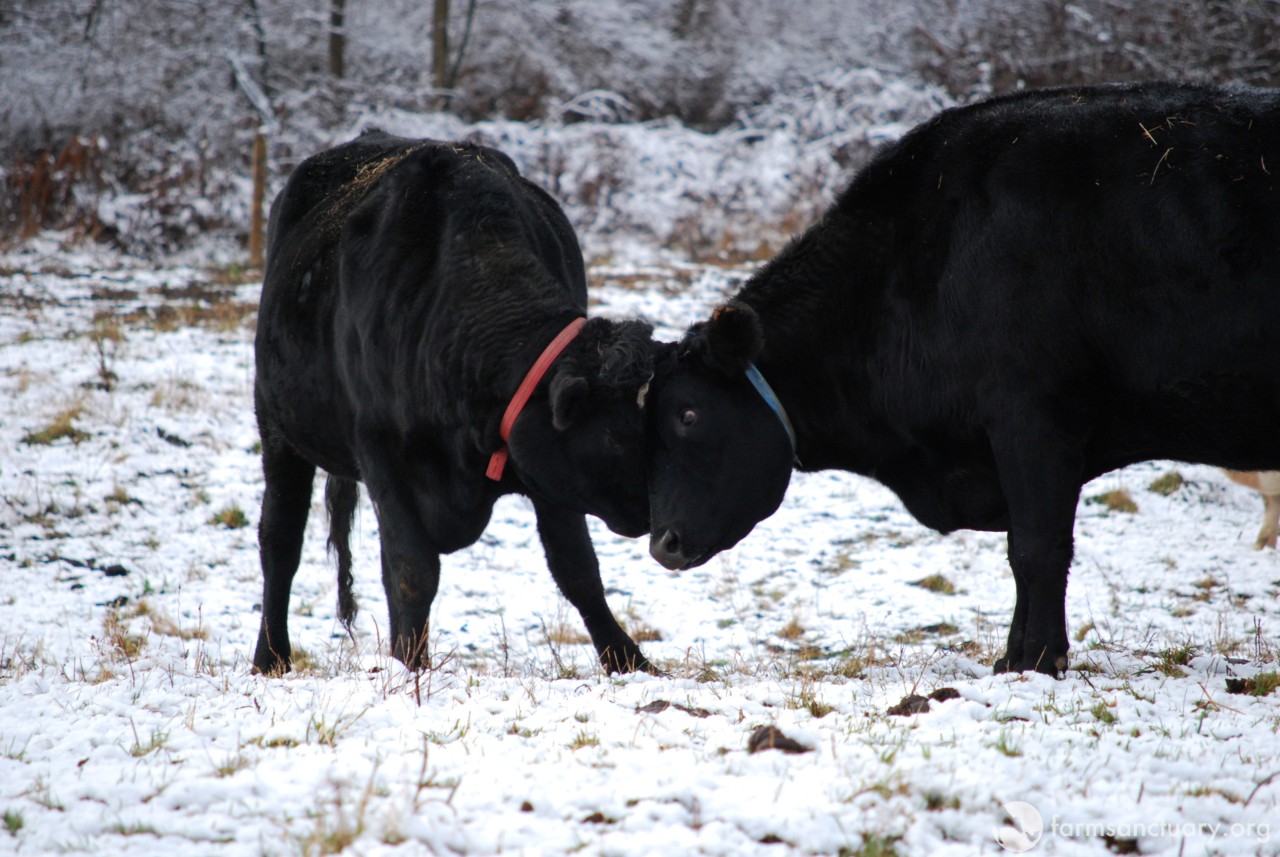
667, 548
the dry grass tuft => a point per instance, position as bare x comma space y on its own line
793, 630
231, 517
1167, 484
936, 583
61, 426
1115, 501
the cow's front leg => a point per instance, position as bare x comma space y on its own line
410, 562
1017, 626
1041, 480
1038, 631
410, 578
573, 563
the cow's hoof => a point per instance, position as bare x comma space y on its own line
630, 662
271, 669
269, 662
1055, 668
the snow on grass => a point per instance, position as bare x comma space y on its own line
129, 720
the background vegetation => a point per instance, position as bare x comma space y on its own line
131, 121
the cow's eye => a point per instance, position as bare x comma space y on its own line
688, 417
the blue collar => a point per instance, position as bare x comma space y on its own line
771, 399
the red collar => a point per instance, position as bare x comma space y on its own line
540, 366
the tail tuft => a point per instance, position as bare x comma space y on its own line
340, 499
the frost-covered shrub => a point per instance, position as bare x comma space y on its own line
739, 191
712, 126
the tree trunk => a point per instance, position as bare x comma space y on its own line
337, 38
259, 196
462, 48
260, 38
440, 44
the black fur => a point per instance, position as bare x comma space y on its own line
1016, 297
410, 286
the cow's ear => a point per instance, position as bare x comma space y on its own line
734, 337
568, 399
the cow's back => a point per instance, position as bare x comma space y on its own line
295, 386
377, 242
467, 255
1112, 251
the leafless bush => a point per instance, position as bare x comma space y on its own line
974, 47
53, 189
132, 122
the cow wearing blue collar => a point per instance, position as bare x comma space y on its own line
1016, 297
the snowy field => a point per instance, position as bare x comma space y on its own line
130, 722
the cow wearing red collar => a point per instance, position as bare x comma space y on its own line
412, 290
1016, 297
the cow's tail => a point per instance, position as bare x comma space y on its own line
340, 498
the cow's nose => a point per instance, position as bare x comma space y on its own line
664, 546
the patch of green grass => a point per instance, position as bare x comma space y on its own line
806, 698
157, 740
1263, 684
232, 765
1171, 661
1103, 713
817, 708
43, 795
1006, 745
522, 731
327, 733
13, 821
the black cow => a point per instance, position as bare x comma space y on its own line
411, 285
1014, 298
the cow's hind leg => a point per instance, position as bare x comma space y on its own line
1041, 480
576, 569
286, 500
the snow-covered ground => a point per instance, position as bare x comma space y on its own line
130, 723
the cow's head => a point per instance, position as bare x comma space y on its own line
719, 456
583, 445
